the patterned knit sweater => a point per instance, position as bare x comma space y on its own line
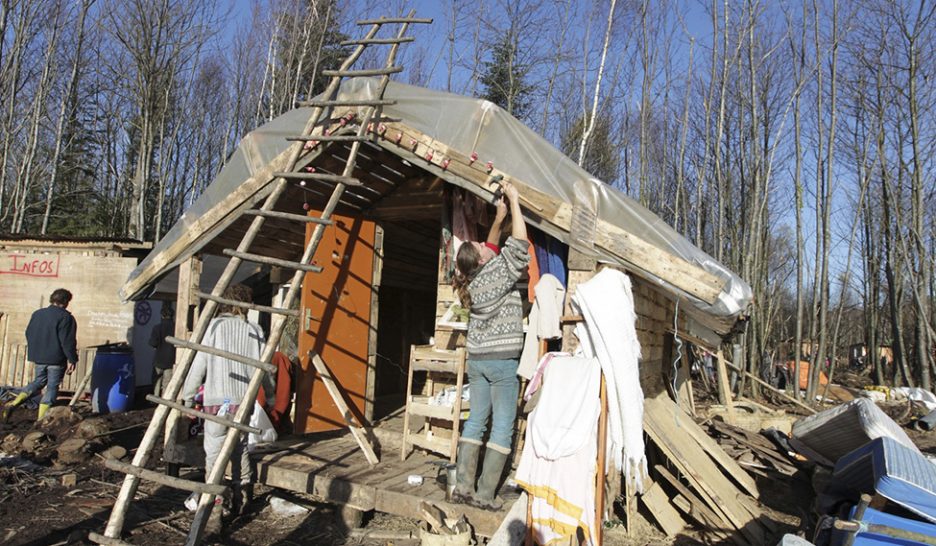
495, 323
225, 378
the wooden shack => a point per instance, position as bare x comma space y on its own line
385, 285
92, 269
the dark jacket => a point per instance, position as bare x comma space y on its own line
165, 352
51, 336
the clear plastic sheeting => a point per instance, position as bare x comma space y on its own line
471, 125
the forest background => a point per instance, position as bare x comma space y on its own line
792, 140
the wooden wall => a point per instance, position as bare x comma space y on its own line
28, 277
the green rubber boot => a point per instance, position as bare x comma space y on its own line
466, 470
485, 497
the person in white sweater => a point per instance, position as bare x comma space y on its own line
226, 383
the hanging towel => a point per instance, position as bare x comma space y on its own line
558, 464
551, 254
544, 322
609, 334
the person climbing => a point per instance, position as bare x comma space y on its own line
52, 347
486, 283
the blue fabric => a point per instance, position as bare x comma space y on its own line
551, 255
48, 376
890, 469
494, 390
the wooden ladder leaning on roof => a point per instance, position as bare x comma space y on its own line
317, 132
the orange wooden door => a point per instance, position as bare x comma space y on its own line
335, 322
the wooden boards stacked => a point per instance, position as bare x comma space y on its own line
696, 480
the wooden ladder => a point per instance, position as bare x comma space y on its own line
314, 131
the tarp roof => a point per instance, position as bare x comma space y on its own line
580, 209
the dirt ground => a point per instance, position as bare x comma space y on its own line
44, 501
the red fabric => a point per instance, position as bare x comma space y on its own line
534, 272
493, 247
279, 415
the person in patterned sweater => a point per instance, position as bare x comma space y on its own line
486, 282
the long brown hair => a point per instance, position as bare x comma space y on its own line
467, 264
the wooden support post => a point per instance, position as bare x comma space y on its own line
185, 312
602, 455
357, 429
724, 388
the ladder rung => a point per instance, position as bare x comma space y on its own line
394, 20
379, 41
185, 344
346, 180
330, 138
106, 541
350, 102
363, 72
288, 216
162, 479
246, 256
203, 415
253, 306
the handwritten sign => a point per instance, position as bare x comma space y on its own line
30, 266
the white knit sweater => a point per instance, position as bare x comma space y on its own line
224, 378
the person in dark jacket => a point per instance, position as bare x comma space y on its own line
165, 356
53, 349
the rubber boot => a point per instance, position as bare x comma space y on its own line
491, 472
43, 408
214, 524
241, 495
466, 469
8, 407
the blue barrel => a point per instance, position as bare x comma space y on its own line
112, 380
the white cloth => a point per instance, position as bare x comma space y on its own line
609, 333
567, 412
558, 464
544, 321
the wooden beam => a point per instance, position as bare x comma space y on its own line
357, 429
633, 251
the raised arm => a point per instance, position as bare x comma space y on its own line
518, 226
494, 235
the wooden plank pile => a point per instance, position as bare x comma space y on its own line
753, 451
693, 480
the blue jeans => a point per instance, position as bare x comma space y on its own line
49, 376
494, 390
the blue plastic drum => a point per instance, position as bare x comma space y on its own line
112, 380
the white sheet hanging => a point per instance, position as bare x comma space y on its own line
609, 334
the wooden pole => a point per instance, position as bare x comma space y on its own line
82, 386
602, 456
724, 388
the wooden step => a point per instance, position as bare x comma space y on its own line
168, 481
253, 306
379, 41
348, 103
185, 344
203, 415
346, 180
383, 20
364, 72
246, 256
438, 445
329, 138
422, 407
288, 216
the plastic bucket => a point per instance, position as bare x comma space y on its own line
112, 380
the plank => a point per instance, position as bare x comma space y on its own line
718, 454
485, 522
335, 391
664, 424
299, 479
694, 507
658, 504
